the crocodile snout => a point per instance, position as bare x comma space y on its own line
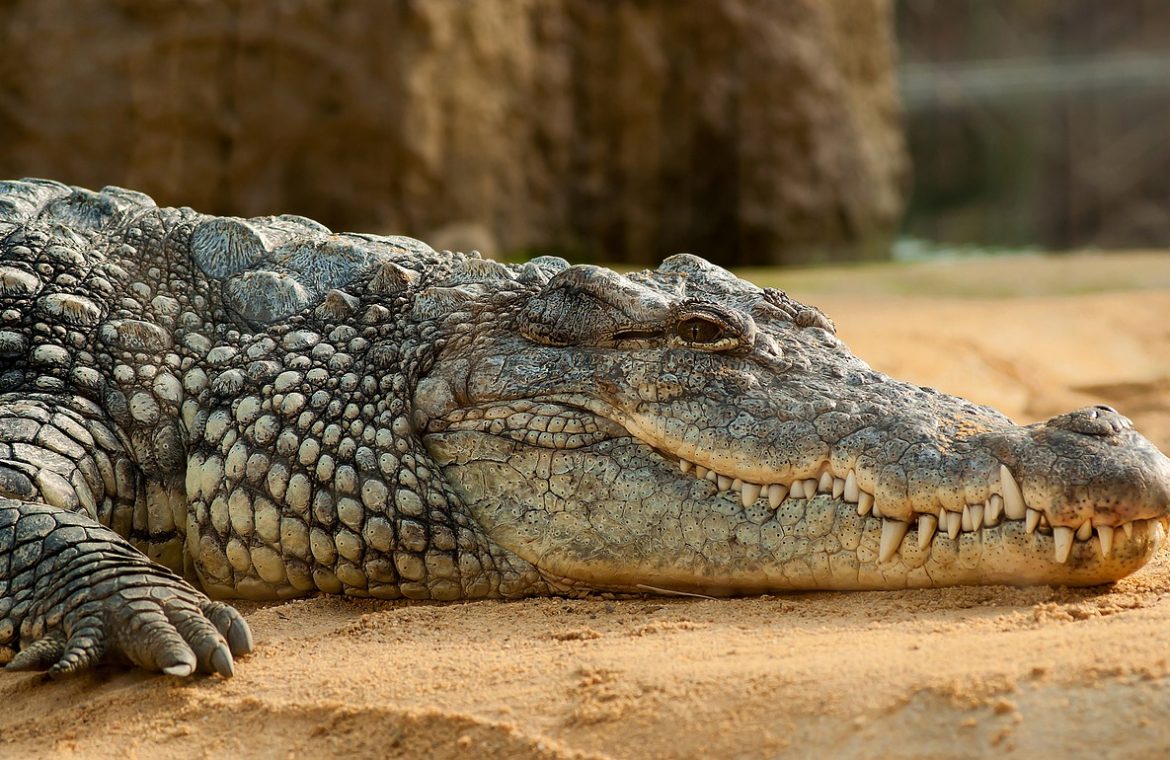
1091, 465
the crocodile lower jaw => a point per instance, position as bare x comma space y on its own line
973, 519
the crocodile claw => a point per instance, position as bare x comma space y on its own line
178, 637
122, 608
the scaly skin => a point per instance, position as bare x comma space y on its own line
269, 410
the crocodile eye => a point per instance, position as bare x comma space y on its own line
698, 330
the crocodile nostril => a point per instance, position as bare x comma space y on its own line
1099, 420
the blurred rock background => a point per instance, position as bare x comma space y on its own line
750, 131
1037, 122
754, 132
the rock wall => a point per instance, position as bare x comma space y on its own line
746, 130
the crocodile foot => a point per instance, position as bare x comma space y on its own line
81, 595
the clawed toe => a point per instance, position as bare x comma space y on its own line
221, 662
39, 655
231, 626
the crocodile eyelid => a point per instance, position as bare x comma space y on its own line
636, 334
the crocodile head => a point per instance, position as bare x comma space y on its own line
682, 429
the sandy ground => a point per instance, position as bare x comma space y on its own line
1034, 672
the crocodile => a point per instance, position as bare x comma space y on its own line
196, 407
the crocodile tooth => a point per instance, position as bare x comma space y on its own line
965, 521
1013, 498
954, 523
737, 485
711, 476
864, 503
994, 507
1128, 528
701, 472
976, 516
838, 487
927, 524
1033, 521
1062, 536
1157, 531
750, 493
893, 531
1085, 532
826, 483
684, 466
851, 491
777, 492
797, 490
810, 488
1105, 540
724, 482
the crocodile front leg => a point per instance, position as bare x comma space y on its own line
74, 593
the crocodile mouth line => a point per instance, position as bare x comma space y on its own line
564, 425
1007, 506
